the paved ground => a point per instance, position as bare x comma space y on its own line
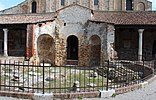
147, 93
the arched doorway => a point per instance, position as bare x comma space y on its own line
72, 48
95, 50
34, 7
46, 48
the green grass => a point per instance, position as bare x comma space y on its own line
65, 77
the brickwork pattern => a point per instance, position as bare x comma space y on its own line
54, 5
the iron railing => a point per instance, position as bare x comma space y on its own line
45, 78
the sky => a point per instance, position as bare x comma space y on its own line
10, 3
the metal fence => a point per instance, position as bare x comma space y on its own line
45, 78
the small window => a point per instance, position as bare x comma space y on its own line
62, 2
96, 2
34, 7
129, 5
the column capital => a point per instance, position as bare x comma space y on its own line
5, 30
140, 30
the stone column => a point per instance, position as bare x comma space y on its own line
140, 44
5, 42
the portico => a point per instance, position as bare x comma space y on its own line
13, 40
135, 43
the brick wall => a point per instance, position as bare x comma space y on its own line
54, 5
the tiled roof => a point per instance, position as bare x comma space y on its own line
25, 18
125, 18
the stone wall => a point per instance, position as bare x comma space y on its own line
110, 41
29, 41
74, 21
20, 8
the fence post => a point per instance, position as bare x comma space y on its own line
143, 76
43, 76
154, 67
107, 74
0, 74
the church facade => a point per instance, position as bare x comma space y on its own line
81, 32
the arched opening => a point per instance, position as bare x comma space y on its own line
34, 7
72, 48
46, 48
95, 50
129, 4
141, 6
62, 2
96, 2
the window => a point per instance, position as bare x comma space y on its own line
34, 7
129, 5
62, 2
96, 2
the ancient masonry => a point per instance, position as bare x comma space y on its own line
82, 32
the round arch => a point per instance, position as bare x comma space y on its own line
141, 6
95, 50
34, 7
72, 47
46, 48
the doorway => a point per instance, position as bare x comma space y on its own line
72, 48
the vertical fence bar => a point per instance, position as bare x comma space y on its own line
14, 74
60, 79
38, 78
107, 74
9, 75
43, 77
28, 77
49, 77
102, 79
5, 75
143, 76
23, 75
90, 78
0, 74
55, 77
18, 69
84, 79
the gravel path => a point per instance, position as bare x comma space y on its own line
147, 93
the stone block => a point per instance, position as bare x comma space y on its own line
40, 96
144, 84
105, 93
